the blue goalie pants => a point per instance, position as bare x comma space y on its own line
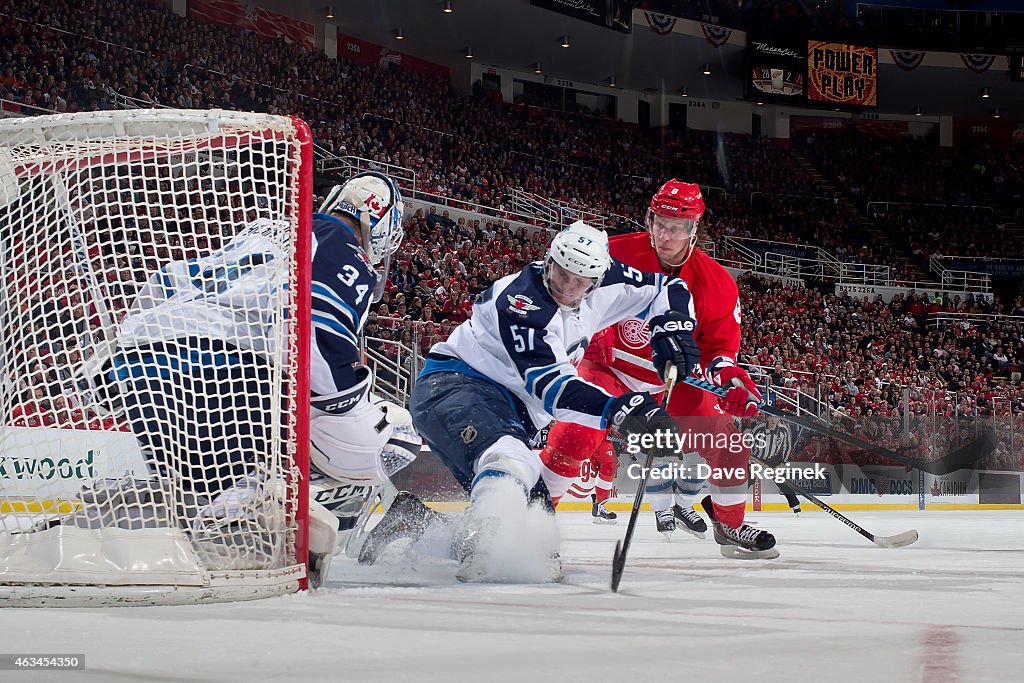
200, 409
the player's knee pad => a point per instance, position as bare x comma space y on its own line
367, 440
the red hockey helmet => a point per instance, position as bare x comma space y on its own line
672, 219
676, 199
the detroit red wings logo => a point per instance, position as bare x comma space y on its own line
881, 486
634, 333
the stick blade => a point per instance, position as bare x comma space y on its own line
966, 456
897, 541
618, 566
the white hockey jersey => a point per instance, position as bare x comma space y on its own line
519, 338
234, 295
238, 295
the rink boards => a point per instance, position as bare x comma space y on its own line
55, 463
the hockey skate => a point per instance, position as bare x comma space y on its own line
408, 517
666, 522
796, 509
600, 514
476, 567
692, 522
743, 543
506, 541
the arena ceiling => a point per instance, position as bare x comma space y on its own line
514, 34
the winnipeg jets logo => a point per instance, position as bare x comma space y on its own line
521, 304
634, 333
361, 255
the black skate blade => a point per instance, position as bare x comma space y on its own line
734, 552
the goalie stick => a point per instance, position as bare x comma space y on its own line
622, 547
965, 456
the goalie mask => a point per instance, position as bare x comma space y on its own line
672, 219
576, 263
374, 200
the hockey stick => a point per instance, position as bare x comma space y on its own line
622, 547
896, 541
965, 456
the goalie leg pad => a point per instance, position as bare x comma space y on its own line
323, 529
369, 442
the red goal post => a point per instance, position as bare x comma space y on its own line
154, 354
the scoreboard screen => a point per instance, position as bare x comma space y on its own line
842, 74
1017, 68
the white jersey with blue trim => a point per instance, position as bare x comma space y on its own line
231, 295
521, 339
238, 292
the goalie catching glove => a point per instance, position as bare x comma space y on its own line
672, 342
633, 415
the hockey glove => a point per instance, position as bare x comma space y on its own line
740, 401
634, 415
601, 346
672, 342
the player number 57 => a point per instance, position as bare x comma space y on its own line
523, 344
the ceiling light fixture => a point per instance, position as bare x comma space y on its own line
707, 69
986, 93
469, 53
448, 7
684, 92
398, 34
536, 68
565, 41
330, 13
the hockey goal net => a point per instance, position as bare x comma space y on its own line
153, 356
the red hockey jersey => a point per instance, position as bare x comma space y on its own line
625, 346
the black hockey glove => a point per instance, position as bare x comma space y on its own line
634, 416
672, 342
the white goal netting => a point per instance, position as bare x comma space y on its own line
154, 268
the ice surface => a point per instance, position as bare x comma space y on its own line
949, 609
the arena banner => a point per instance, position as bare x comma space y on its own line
887, 293
37, 457
363, 52
613, 14
999, 488
1008, 268
842, 74
252, 18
